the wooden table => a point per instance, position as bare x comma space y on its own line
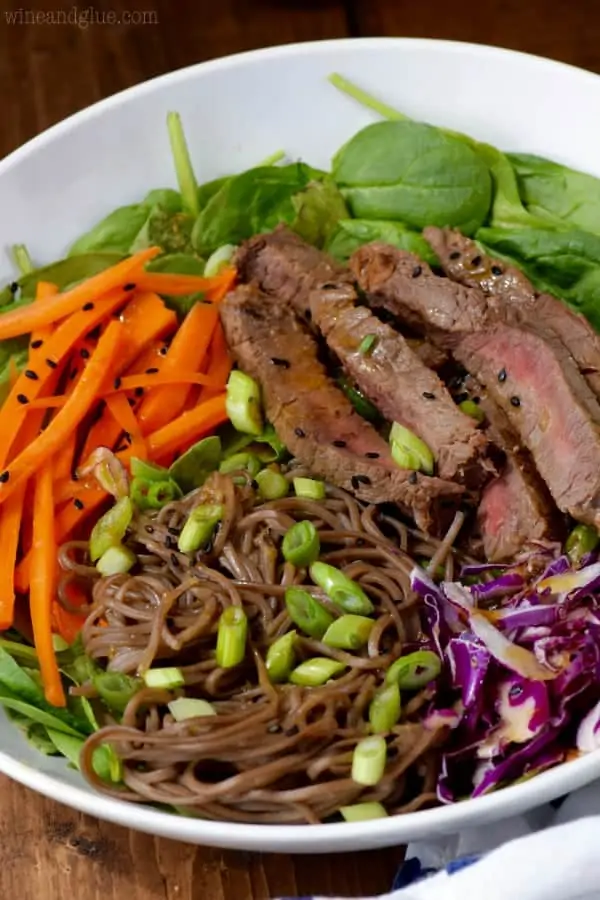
47, 72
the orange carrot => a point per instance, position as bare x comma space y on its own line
186, 353
187, 428
125, 418
41, 591
68, 622
180, 285
37, 315
13, 373
10, 528
146, 319
219, 363
13, 412
43, 290
75, 409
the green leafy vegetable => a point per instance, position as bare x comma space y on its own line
171, 232
350, 234
22, 259
266, 446
183, 165
208, 190
167, 198
116, 232
64, 274
552, 191
261, 198
15, 349
416, 174
563, 263
177, 264
193, 468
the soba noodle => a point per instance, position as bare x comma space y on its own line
272, 753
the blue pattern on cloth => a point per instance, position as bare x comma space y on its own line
412, 871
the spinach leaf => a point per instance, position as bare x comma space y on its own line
261, 198
351, 234
178, 263
14, 353
563, 263
414, 173
193, 468
318, 210
557, 192
207, 191
115, 232
166, 198
267, 446
167, 230
64, 274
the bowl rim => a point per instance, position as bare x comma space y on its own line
329, 837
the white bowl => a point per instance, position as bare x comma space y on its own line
236, 111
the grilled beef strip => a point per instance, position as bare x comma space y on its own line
314, 419
527, 372
387, 371
516, 507
512, 298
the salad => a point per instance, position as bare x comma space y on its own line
298, 482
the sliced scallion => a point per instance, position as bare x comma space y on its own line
116, 688
404, 440
385, 709
309, 488
349, 632
582, 539
340, 589
367, 345
301, 545
470, 408
242, 403
190, 708
368, 761
316, 671
168, 678
111, 528
199, 527
272, 485
415, 670
241, 462
231, 637
307, 613
221, 257
116, 561
362, 812
281, 657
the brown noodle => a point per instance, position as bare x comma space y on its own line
273, 753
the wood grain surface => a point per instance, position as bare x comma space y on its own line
47, 72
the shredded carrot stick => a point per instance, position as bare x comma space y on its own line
13, 411
41, 589
187, 428
10, 528
125, 417
68, 622
186, 353
13, 373
63, 425
147, 319
179, 285
37, 315
219, 363
43, 290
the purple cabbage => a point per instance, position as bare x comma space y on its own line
469, 662
588, 733
526, 616
509, 583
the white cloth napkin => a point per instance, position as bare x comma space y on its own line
548, 854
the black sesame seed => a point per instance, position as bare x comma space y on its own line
476, 261
339, 443
130, 286
372, 454
78, 504
428, 395
412, 478
117, 383
515, 401
282, 363
131, 401
417, 271
174, 560
455, 254
35, 345
29, 373
163, 351
139, 392
496, 270
22, 398
14, 287
4, 476
299, 433
84, 353
87, 307
149, 529
51, 363
502, 375
152, 370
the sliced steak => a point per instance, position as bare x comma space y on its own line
282, 264
386, 370
527, 373
516, 508
312, 416
431, 356
405, 286
513, 298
